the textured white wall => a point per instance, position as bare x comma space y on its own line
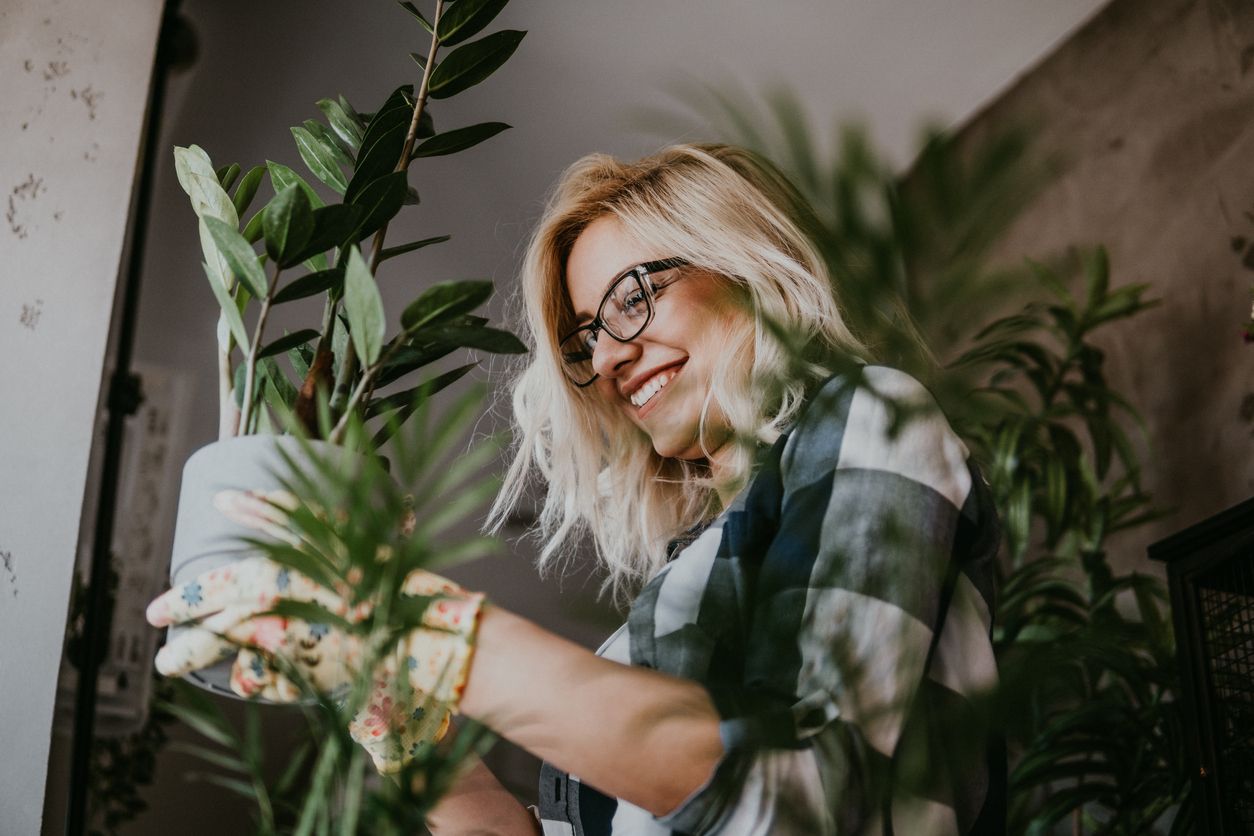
73, 86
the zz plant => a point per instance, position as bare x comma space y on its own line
311, 247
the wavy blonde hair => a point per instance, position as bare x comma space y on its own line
728, 212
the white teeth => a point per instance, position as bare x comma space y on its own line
646, 392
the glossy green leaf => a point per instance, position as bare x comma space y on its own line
364, 307
413, 10
492, 340
420, 392
450, 142
282, 176
471, 63
346, 127
253, 229
381, 200
332, 228
310, 285
377, 160
239, 255
445, 300
227, 175
230, 313
247, 189
334, 145
288, 224
320, 159
408, 358
288, 341
383, 142
467, 19
401, 249
196, 175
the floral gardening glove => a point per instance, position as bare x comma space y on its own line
222, 610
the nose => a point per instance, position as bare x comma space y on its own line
610, 356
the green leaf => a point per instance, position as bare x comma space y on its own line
311, 612
288, 224
310, 285
424, 390
491, 340
288, 341
196, 175
407, 358
450, 142
467, 19
420, 60
239, 255
253, 229
247, 189
470, 64
333, 144
381, 200
223, 759
346, 127
235, 785
227, 175
413, 10
383, 142
202, 720
444, 300
229, 312
364, 307
320, 159
392, 252
333, 227
281, 177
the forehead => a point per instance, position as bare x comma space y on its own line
600, 254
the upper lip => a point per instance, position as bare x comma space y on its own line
629, 388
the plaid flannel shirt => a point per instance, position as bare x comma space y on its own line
839, 613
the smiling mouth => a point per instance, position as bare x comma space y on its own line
650, 390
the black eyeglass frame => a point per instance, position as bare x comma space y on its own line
642, 273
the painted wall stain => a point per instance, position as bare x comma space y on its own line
55, 70
31, 313
6, 558
92, 153
90, 97
24, 192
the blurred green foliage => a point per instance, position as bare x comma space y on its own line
1088, 698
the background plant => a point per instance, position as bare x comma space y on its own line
364, 159
1011, 355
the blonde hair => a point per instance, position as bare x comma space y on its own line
728, 212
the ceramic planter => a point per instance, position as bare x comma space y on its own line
204, 538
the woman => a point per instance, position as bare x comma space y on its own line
812, 549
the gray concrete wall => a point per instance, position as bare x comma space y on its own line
1151, 108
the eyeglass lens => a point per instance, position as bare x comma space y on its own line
624, 314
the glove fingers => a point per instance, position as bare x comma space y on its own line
256, 581
201, 645
212, 591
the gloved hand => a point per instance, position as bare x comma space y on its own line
222, 608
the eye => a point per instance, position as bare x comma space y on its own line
589, 340
634, 302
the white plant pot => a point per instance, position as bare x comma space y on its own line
204, 538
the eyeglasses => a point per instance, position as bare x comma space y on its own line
625, 311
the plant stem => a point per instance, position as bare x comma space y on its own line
228, 414
250, 375
348, 366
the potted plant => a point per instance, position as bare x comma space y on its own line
301, 246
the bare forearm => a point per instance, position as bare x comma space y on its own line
479, 806
634, 733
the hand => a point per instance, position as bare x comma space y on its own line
223, 610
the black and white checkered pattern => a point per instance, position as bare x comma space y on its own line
809, 610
